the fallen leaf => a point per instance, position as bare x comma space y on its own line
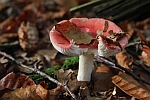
27, 15
146, 57
132, 87
106, 25
48, 53
8, 37
72, 32
28, 36
33, 92
142, 38
113, 39
3, 70
116, 43
9, 25
63, 75
70, 76
102, 78
13, 81
146, 49
124, 60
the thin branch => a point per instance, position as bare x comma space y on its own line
116, 65
39, 72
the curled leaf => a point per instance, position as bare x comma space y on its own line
132, 87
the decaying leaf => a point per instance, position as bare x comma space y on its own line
3, 70
28, 36
124, 60
8, 25
33, 92
113, 38
116, 43
72, 32
13, 81
145, 48
102, 78
63, 75
68, 75
8, 37
146, 57
142, 38
106, 25
132, 87
48, 53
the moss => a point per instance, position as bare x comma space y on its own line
50, 71
69, 62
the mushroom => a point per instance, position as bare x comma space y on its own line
86, 51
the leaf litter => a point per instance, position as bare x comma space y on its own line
104, 84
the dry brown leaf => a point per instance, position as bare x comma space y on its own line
54, 93
132, 87
13, 81
146, 58
8, 25
106, 25
25, 16
67, 4
33, 92
49, 9
28, 36
48, 53
63, 75
146, 49
3, 70
8, 37
72, 32
124, 60
68, 75
102, 78
142, 38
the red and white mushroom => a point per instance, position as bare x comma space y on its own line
97, 46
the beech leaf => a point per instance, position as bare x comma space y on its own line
13, 81
72, 32
33, 92
28, 36
132, 87
146, 56
142, 38
124, 60
102, 78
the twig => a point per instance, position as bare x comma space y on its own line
116, 65
39, 72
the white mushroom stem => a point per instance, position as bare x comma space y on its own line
85, 67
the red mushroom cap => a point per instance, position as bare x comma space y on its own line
86, 25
